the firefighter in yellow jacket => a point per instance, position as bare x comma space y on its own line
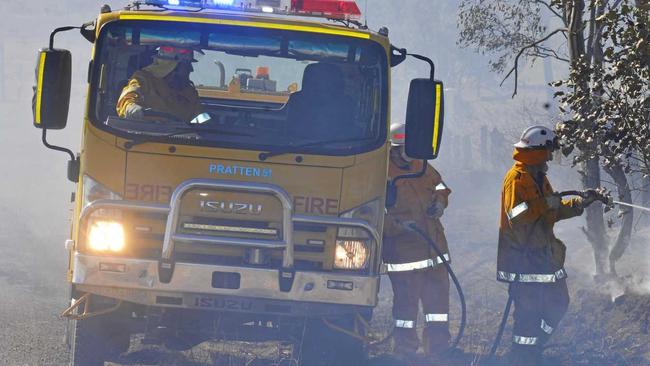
530, 257
164, 86
416, 272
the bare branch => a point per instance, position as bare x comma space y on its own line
550, 8
515, 68
552, 53
542, 54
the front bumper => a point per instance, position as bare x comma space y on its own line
170, 283
191, 286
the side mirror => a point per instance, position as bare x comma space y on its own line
424, 119
52, 92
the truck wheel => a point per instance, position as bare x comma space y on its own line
86, 346
98, 339
323, 346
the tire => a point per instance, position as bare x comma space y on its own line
98, 339
323, 346
86, 346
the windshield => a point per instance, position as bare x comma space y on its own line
257, 89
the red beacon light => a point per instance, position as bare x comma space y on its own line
335, 9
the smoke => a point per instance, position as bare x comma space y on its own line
636, 264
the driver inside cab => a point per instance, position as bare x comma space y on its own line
164, 87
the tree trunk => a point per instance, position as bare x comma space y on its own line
590, 173
627, 213
595, 231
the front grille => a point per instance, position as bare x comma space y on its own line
313, 243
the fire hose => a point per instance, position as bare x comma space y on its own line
440, 254
602, 196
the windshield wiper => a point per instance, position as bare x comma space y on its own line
292, 148
184, 131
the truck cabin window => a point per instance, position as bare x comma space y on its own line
240, 87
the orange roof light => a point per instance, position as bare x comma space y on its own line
262, 72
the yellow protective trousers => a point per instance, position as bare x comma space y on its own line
430, 287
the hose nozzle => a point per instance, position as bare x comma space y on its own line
598, 194
604, 196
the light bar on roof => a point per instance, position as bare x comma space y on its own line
333, 9
191, 3
221, 2
174, 3
271, 3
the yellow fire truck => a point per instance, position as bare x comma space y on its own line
261, 218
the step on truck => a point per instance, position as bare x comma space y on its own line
258, 220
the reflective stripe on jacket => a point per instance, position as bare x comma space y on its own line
404, 248
528, 249
148, 91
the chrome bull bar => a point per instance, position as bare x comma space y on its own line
171, 236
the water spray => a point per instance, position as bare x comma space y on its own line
631, 205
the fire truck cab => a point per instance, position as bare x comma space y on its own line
258, 219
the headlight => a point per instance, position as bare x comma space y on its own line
104, 236
352, 245
351, 254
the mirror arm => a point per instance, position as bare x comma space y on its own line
58, 30
87, 32
397, 55
427, 60
73, 164
391, 187
57, 148
425, 163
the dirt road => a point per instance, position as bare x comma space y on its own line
32, 281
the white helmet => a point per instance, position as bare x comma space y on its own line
537, 137
397, 134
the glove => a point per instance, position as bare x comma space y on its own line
553, 201
436, 210
589, 196
134, 111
